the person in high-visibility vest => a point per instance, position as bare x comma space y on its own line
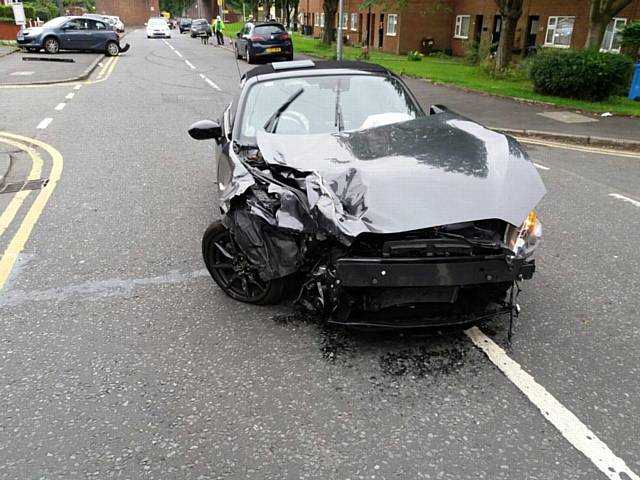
218, 29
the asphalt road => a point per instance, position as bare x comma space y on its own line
120, 358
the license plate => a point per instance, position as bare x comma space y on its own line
273, 50
20, 37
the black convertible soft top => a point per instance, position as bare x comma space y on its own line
317, 65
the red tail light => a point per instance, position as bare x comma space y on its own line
257, 38
117, 34
284, 36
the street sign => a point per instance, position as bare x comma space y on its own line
18, 13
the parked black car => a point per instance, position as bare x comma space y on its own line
334, 181
263, 41
184, 24
71, 33
200, 27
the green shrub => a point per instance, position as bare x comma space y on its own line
582, 74
7, 20
29, 11
6, 11
414, 56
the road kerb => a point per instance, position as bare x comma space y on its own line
585, 140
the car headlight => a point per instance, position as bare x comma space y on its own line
524, 240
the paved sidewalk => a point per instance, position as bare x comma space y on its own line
6, 50
506, 113
15, 70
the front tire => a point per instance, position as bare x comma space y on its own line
229, 269
51, 45
113, 49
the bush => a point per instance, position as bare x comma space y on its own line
7, 20
6, 12
582, 74
414, 56
29, 11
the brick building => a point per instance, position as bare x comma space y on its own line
551, 23
456, 24
131, 12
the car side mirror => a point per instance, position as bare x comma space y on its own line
435, 109
206, 130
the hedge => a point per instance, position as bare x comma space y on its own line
6, 12
582, 74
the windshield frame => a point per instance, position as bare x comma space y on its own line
254, 81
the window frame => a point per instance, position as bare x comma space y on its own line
354, 22
389, 33
322, 20
555, 27
457, 29
609, 49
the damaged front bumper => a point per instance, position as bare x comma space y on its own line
420, 292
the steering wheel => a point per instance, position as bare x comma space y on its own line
293, 122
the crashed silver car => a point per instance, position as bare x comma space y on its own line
336, 189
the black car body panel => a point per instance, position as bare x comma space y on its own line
268, 40
184, 24
403, 224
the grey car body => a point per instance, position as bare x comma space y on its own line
200, 27
405, 224
71, 33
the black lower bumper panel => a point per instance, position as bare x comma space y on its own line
411, 272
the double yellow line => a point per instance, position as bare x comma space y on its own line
20, 238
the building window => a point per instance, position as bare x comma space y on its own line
611, 40
316, 21
462, 26
392, 23
354, 22
559, 30
345, 20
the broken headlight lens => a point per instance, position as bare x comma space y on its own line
524, 240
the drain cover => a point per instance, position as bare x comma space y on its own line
28, 185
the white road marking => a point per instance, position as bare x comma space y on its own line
190, 64
21, 74
78, 87
212, 84
178, 53
93, 290
44, 123
202, 76
171, 46
99, 64
69, 96
625, 199
541, 167
570, 426
60, 106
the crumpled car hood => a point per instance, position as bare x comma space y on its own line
434, 170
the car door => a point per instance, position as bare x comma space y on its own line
243, 36
73, 33
98, 35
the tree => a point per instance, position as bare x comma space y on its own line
600, 14
329, 8
510, 11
